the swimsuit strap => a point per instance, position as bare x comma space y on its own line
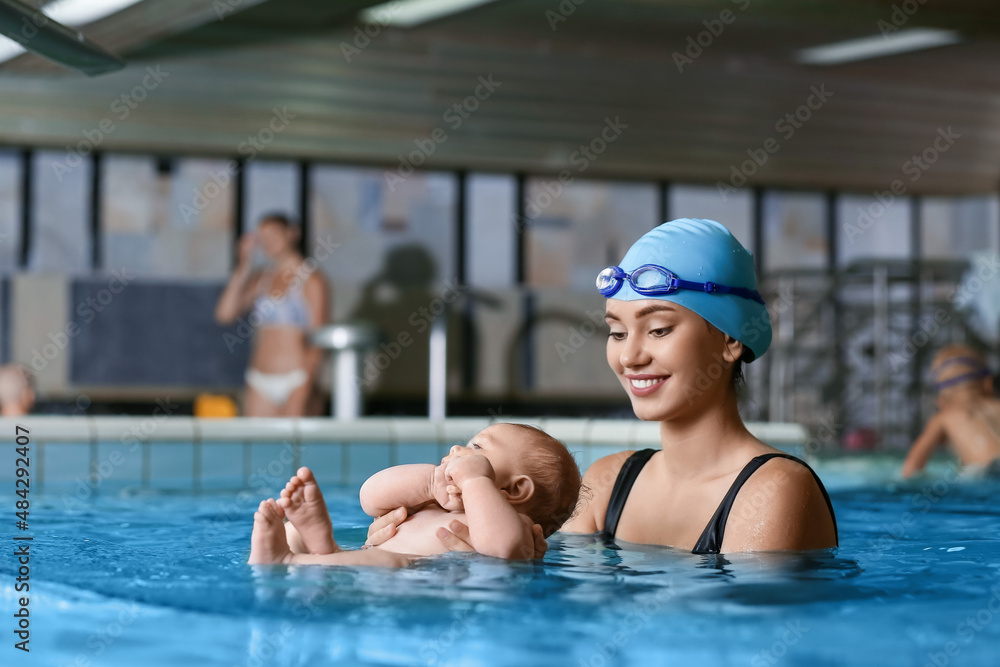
710, 541
623, 486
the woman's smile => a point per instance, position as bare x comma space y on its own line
644, 384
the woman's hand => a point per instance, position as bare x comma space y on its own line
385, 526
245, 249
456, 537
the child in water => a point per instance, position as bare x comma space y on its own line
505, 471
968, 414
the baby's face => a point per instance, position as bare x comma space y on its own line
500, 445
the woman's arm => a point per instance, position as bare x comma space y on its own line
920, 452
595, 493
237, 297
399, 486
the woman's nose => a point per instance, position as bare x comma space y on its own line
633, 352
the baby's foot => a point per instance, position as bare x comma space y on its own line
268, 543
304, 506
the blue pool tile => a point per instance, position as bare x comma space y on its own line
418, 452
221, 465
171, 465
66, 462
326, 462
365, 459
118, 465
270, 466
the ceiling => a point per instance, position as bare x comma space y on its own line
559, 83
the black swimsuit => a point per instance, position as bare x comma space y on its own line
710, 541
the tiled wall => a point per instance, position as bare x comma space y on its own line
65, 468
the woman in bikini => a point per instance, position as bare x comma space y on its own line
286, 300
685, 315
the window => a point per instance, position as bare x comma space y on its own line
869, 229
957, 227
794, 230
167, 218
270, 187
577, 229
60, 208
10, 210
371, 217
492, 226
695, 201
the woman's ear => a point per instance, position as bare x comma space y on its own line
520, 489
733, 351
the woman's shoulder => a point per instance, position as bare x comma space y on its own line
604, 470
782, 505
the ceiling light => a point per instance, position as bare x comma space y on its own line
410, 13
876, 46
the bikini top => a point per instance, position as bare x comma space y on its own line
710, 541
289, 309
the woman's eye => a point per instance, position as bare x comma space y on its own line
617, 335
659, 333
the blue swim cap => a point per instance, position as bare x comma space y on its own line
705, 251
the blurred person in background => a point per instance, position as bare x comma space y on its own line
17, 391
968, 416
285, 298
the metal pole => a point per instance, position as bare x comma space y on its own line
346, 399
437, 376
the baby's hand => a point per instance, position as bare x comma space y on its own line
470, 466
447, 495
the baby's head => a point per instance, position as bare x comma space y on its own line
534, 470
960, 370
17, 393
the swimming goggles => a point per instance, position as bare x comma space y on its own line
980, 371
653, 280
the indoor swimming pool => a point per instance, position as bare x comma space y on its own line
158, 576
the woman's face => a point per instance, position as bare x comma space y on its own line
274, 238
670, 361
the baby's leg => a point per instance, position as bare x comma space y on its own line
268, 543
309, 529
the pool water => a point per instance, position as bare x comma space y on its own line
133, 578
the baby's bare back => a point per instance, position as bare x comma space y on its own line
417, 535
973, 429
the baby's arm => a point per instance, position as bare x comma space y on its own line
495, 527
399, 486
934, 432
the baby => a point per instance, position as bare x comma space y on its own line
968, 416
504, 471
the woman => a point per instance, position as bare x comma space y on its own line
684, 316
286, 300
